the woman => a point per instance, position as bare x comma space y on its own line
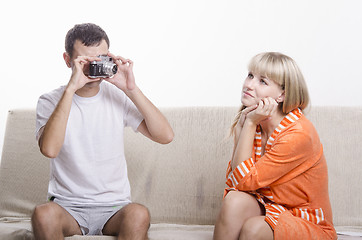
277, 177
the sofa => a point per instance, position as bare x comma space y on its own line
181, 183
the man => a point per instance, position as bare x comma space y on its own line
80, 127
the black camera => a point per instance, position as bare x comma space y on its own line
102, 69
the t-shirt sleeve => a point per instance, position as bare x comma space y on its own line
45, 107
132, 117
283, 161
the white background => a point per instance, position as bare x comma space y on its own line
186, 53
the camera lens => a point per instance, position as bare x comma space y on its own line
109, 68
114, 69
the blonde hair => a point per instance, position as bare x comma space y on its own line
284, 71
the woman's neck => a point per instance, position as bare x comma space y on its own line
268, 126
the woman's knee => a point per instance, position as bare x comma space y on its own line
236, 208
256, 228
240, 203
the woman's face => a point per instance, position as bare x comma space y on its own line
257, 87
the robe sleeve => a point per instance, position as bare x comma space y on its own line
284, 161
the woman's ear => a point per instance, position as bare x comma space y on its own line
281, 97
67, 59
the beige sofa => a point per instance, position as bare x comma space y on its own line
181, 183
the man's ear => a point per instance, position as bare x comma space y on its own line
67, 59
281, 97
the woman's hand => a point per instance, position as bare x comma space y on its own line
242, 118
264, 111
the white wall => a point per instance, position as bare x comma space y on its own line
186, 53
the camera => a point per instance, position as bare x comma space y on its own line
102, 69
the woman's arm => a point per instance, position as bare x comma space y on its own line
293, 152
253, 116
295, 149
243, 148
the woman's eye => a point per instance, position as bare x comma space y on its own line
251, 76
262, 81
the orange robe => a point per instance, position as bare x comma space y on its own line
290, 180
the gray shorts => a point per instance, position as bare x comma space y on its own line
91, 220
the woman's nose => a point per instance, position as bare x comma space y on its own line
249, 83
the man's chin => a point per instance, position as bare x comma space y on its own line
95, 83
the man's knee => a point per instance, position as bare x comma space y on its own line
44, 214
45, 221
140, 215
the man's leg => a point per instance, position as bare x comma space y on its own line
51, 221
130, 222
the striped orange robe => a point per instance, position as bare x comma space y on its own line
290, 180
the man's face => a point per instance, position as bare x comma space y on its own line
80, 49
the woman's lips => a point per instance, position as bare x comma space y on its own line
248, 94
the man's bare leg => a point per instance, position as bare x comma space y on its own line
51, 221
131, 222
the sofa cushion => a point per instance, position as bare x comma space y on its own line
21, 230
15, 229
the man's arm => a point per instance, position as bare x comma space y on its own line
155, 126
53, 133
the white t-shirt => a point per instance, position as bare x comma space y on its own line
91, 168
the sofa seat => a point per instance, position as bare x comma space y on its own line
20, 229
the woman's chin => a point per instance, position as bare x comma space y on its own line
247, 102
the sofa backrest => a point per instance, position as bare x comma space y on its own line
183, 182
24, 172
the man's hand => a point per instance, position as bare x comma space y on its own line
78, 78
124, 78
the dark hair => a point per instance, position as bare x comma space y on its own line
88, 33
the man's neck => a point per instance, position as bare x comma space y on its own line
89, 90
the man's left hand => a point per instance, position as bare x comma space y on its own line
124, 78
